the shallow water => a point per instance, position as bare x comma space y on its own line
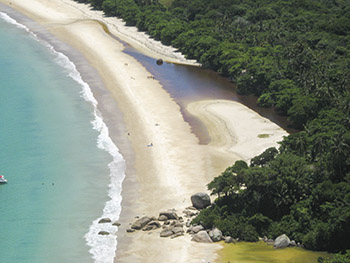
56, 155
190, 83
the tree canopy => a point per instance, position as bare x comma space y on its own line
294, 56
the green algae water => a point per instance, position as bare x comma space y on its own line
63, 171
260, 252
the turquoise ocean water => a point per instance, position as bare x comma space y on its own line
63, 171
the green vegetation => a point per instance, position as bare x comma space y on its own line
339, 258
166, 3
245, 252
263, 135
293, 55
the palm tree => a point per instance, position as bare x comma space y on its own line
319, 147
300, 144
340, 150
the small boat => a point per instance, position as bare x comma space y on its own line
2, 180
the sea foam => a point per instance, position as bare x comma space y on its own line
102, 248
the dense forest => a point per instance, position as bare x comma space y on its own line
294, 56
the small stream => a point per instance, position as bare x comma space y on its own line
186, 84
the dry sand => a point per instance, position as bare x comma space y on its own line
235, 129
176, 166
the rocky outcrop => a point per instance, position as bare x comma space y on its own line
103, 233
151, 226
200, 200
215, 235
105, 220
195, 229
172, 231
177, 230
162, 218
190, 213
282, 241
166, 233
172, 225
141, 223
169, 215
201, 237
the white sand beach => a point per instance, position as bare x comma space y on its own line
176, 166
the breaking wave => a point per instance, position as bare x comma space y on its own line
102, 248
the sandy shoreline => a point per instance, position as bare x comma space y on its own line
165, 175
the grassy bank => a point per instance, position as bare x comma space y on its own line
260, 252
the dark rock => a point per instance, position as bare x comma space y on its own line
195, 229
176, 230
189, 213
169, 214
140, 223
166, 233
215, 235
148, 228
282, 241
200, 200
129, 230
151, 226
103, 233
162, 218
154, 223
202, 237
116, 224
159, 61
179, 224
177, 235
105, 220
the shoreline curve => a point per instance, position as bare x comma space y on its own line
165, 175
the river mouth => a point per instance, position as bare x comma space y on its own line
187, 84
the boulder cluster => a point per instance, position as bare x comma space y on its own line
107, 220
172, 225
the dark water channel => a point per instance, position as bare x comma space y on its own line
186, 84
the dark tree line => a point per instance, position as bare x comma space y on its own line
293, 55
